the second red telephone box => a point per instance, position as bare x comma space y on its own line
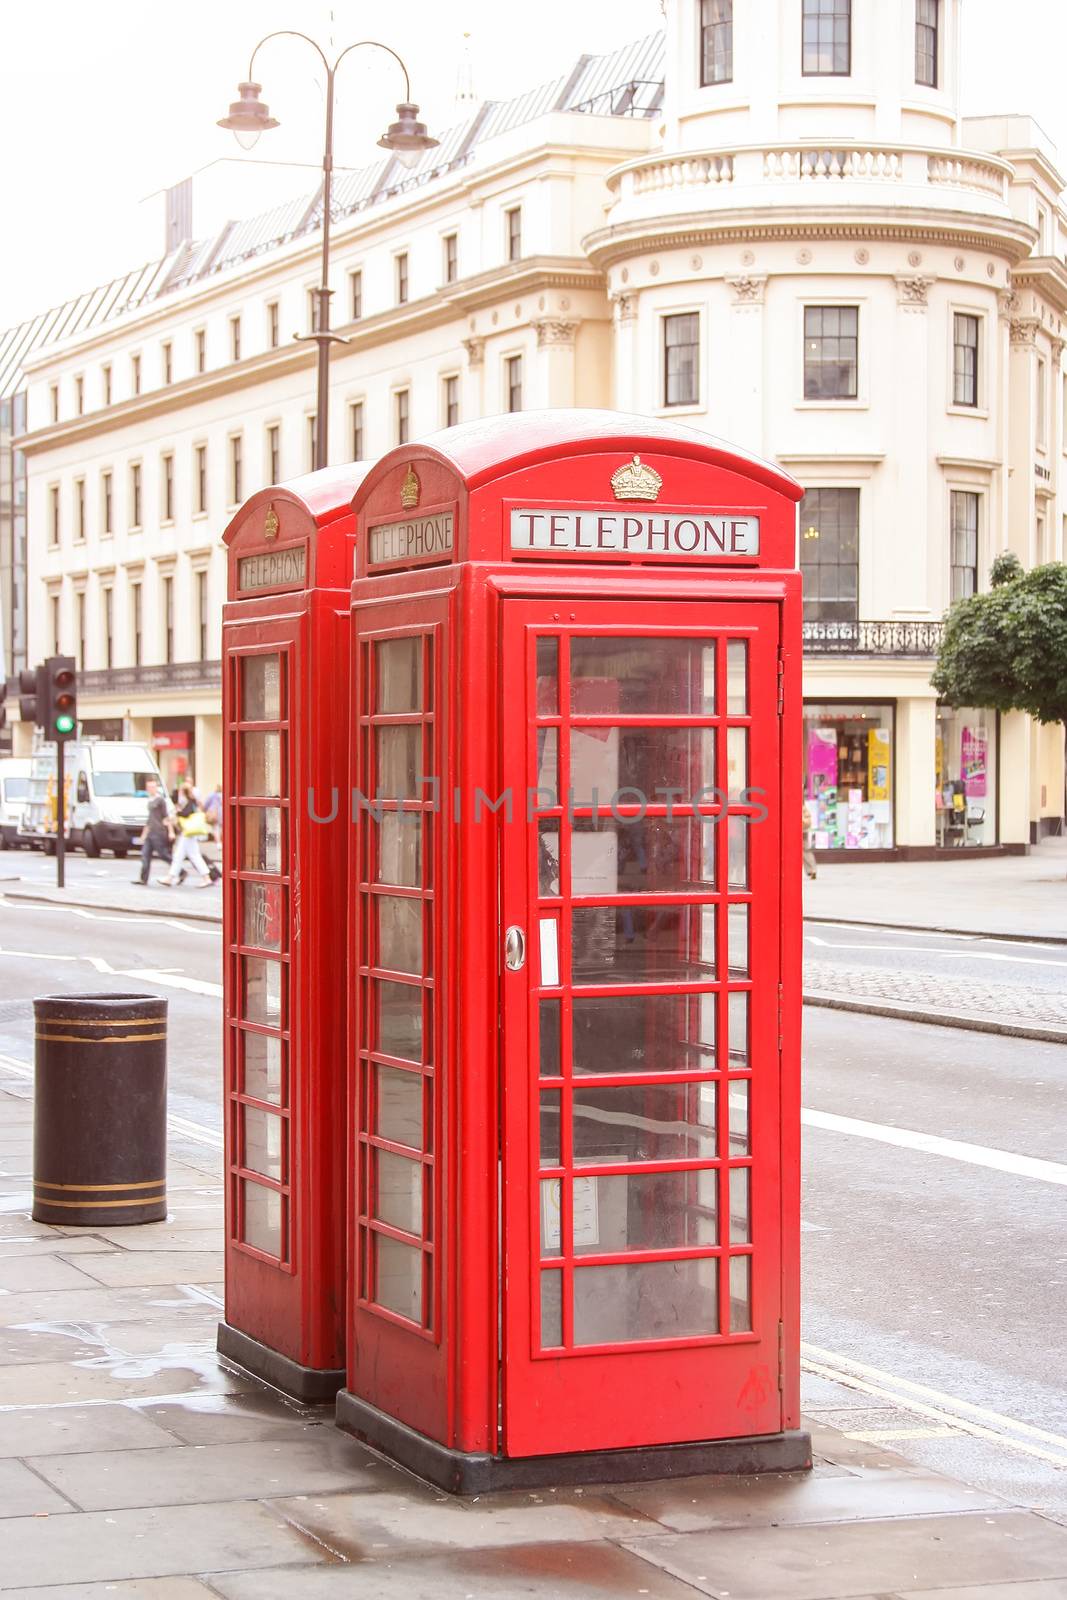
575, 926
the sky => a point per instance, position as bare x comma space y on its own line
104, 102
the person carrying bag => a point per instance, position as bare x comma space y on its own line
193, 826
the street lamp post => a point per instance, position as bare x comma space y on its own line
407, 137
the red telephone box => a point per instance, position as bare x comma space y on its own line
285, 648
575, 956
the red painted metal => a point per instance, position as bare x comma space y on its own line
285, 650
445, 1246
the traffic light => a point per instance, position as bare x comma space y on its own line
29, 689
57, 707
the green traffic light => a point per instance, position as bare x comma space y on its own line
64, 724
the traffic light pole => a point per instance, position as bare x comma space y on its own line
61, 821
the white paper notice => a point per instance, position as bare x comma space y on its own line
549, 953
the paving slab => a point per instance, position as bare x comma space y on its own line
131, 1269
238, 1418
788, 1499
99, 1304
189, 1474
1053, 1589
65, 1430
53, 1382
164, 1541
21, 1245
189, 1235
22, 1494
27, 1274
560, 1571
136, 1589
846, 1561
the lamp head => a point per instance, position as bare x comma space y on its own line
248, 116
407, 137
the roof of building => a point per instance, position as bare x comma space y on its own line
627, 82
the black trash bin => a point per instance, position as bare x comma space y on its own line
100, 1110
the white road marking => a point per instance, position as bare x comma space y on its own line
170, 978
940, 1408
949, 955
96, 916
1033, 943
955, 1149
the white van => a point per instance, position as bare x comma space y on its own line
106, 795
14, 798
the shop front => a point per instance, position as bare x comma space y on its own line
965, 763
849, 775
173, 741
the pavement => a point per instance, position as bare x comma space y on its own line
134, 1464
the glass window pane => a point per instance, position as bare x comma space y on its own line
740, 1294
399, 836
261, 763
649, 761
738, 1114
662, 677
261, 689
736, 763
547, 769
549, 1122
551, 1308
550, 1217
737, 677
548, 1022
261, 838
737, 852
264, 1138
646, 1300
656, 855
737, 937
740, 1218
262, 1218
399, 675
261, 915
639, 944
647, 1211
547, 677
399, 1191
738, 1027
262, 1066
399, 1031
262, 990
399, 762
399, 933
548, 857
399, 1100
639, 1033
643, 1122
399, 1277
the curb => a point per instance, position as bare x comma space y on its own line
940, 1019
102, 905
929, 927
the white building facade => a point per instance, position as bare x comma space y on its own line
773, 226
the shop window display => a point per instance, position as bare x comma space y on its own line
965, 754
848, 776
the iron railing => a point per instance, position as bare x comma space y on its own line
169, 675
872, 638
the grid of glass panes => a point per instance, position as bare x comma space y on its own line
396, 1109
258, 884
643, 990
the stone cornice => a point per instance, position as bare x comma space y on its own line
1046, 276
1004, 237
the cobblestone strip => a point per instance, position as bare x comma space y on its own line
1005, 1001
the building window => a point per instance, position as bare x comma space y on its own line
201, 614
79, 508
166, 475
965, 763
235, 470
964, 359
1040, 554
137, 621
964, 534
274, 453
402, 279
79, 642
200, 350
135, 495
514, 232
681, 359
105, 373
1041, 405
108, 596
355, 295
848, 776
55, 625
135, 374
53, 395
168, 618
313, 310
79, 396
451, 249
355, 416
167, 350
513, 382
53, 514
403, 415
272, 325
235, 338
926, 20
450, 396
831, 352
716, 41
313, 442
827, 38
106, 523
200, 476
829, 554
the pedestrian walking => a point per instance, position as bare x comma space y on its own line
156, 837
193, 826
213, 812
808, 853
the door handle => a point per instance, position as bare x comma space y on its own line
514, 949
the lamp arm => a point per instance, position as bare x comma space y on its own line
292, 33
377, 44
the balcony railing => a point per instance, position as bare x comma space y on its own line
170, 675
872, 638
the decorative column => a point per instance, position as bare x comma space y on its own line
909, 583
915, 775
744, 423
626, 378
1022, 428
555, 360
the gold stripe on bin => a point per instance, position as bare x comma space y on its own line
108, 1022
74, 1038
98, 1205
87, 1188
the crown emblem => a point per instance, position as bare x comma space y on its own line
270, 524
409, 490
635, 482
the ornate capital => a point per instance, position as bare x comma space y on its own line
475, 349
748, 290
555, 331
912, 290
1023, 330
1008, 302
1058, 347
625, 305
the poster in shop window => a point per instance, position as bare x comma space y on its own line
973, 757
878, 764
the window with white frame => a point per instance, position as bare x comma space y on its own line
355, 430
200, 478
235, 338
402, 278
200, 349
202, 614
1041, 401
681, 359
166, 354
829, 554
716, 41
826, 50
107, 598
136, 482
450, 245
53, 513
79, 508
513, 232
236, 469
831, 352
963, 535
135, 374
79, 628
450, 400
965, 334
313, 440
79, 396
355, 295
53, 400
54, 603
274, 453
167, 597
105, 382
273, 328
107, 522
927, 20
402, 412
137, 620
513, 382
166, 486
